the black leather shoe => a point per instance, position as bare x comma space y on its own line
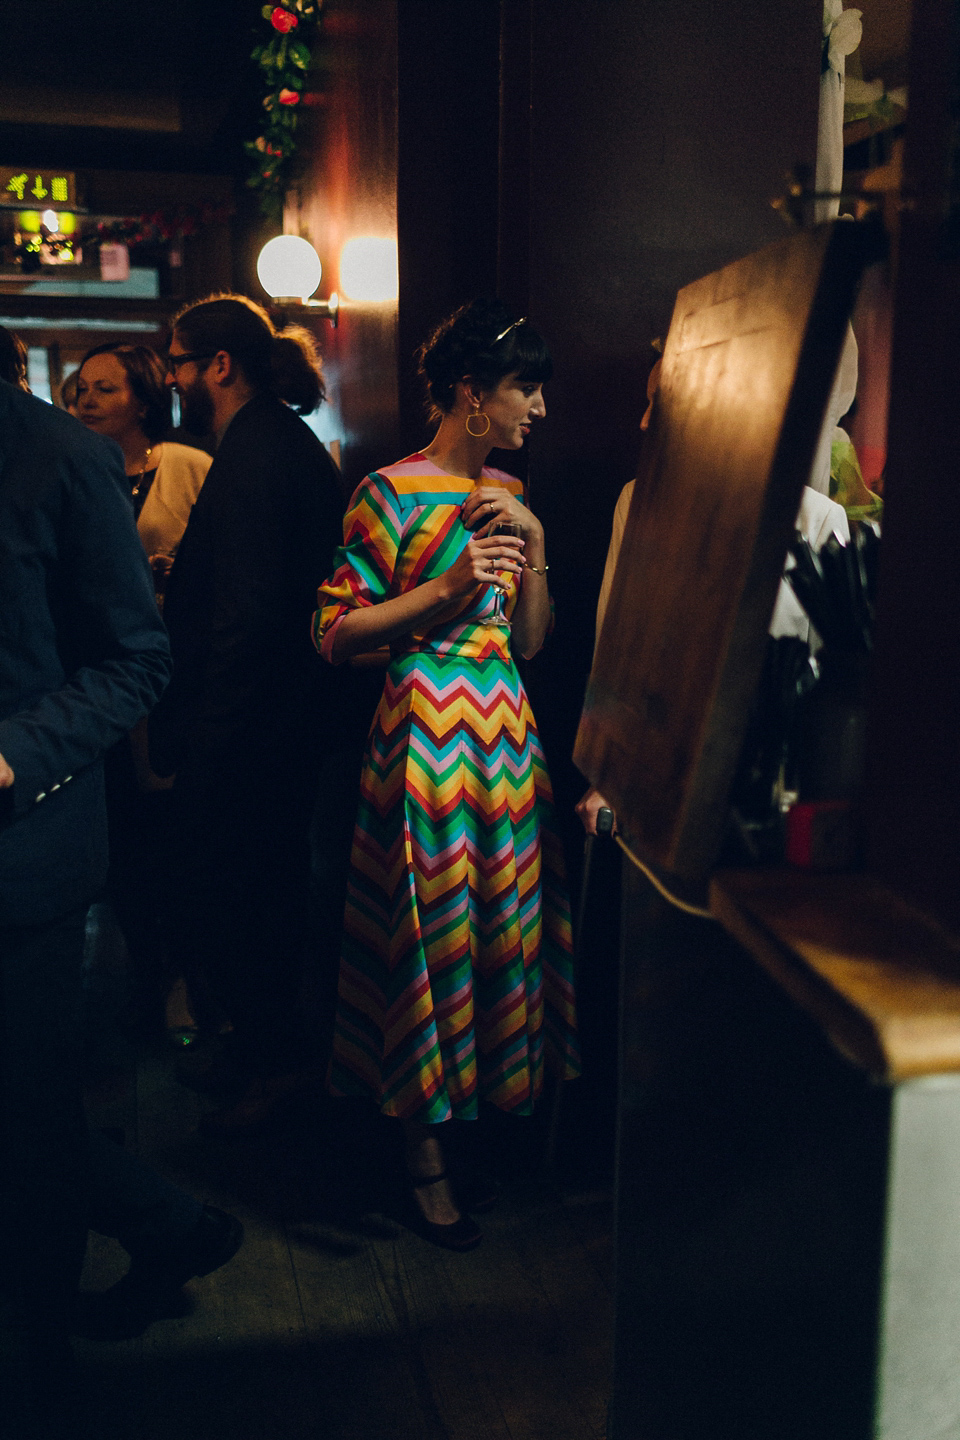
151, 1288
460, 1235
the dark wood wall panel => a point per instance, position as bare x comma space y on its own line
914, 779
516, 66
446, 174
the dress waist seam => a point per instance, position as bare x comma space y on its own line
492, 653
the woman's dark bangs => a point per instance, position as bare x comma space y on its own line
531, 358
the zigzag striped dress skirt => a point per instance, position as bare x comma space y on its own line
456, 973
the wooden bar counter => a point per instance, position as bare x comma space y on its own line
789, 1165
881, 978
882, 982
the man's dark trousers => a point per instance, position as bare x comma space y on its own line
43, 1199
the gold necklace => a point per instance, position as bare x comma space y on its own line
135, 489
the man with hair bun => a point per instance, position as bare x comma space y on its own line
241, 723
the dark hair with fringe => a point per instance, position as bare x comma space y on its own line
147, 375
286, 364
467, 344
13, 358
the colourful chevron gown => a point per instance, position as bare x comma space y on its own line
456, 969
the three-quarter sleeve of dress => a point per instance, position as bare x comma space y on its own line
365, 563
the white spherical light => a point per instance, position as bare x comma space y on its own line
289, 268
368, 269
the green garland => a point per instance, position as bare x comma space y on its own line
284, 60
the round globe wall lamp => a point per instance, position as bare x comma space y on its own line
368, 270
289, 270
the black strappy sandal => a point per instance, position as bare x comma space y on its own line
462, 1235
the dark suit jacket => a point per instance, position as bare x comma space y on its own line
83, 653
248, 692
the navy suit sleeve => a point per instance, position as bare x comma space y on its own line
111, 648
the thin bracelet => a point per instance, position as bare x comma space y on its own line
546, 567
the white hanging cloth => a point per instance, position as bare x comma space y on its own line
842, 33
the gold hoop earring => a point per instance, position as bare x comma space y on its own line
477, 415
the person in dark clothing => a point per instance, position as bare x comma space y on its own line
123, 396
83, 655
243, 721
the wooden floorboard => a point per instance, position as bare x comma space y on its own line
353, 1328
528, 1351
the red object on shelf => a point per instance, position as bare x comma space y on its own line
821, 835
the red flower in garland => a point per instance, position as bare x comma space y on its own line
289, 97
283, 21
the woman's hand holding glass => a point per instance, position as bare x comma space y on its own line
491, 505
369, 626
502, 515
512, 528
482, 561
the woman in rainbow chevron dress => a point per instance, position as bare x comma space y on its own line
456, 973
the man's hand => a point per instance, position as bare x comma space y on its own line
587, 808
161, 565
6, 775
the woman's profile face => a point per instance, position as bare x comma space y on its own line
512, 407
105, 402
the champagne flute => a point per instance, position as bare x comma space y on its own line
504, 527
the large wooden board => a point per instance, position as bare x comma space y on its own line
747, 371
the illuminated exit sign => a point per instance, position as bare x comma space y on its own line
32, 189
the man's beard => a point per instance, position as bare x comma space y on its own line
196, 409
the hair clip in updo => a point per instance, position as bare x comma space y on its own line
503, 333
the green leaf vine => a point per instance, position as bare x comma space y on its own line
284, 60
